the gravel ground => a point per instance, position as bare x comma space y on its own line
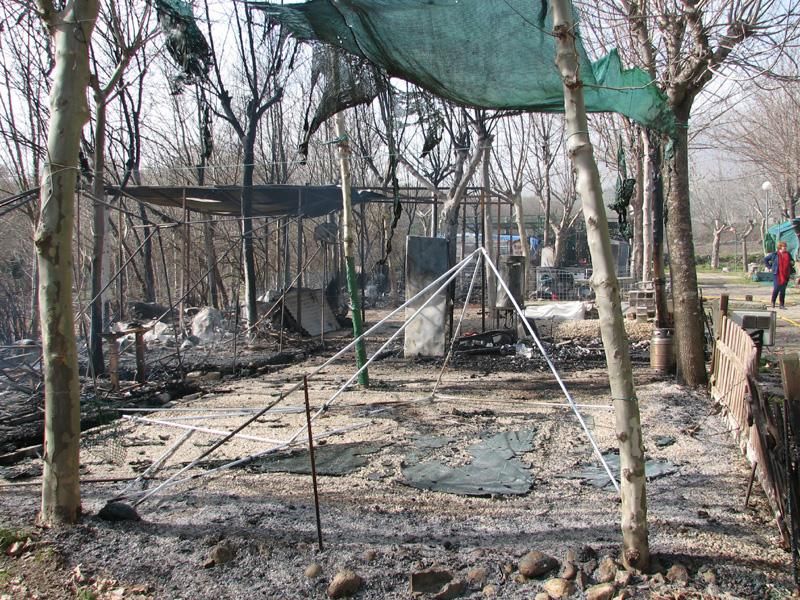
248, 534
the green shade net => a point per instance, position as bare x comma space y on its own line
184, 40
496, 54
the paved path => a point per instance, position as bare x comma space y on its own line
787, 331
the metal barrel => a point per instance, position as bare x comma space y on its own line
662, 351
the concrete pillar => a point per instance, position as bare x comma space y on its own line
426, 259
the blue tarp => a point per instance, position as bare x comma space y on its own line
783, 232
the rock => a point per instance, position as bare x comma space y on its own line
313, 571
520, 578
118, 511
430, 581
164, 397
454, 589
603, 591
477, 576
678, 574
623, 578
370, 555
623, 595
607, 571
542, 596
559, 587
570, 571
344, 584
207, 325
16, 549
194, 375
586, 553
536, 564
589, 567
508, 568
582, 580
220, 554
195, 396
709, 576
489, 591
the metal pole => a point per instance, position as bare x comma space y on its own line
350, 247
299, 305
313, 462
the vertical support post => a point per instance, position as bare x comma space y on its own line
313, 462
435, 216
266, 255
299, 304
185, 270
362, 260
350, 248
140, 369
113, 361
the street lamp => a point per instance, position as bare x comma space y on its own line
766, 187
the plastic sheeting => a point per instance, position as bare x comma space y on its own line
570, 311
495, 468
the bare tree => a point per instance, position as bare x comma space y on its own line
765, 134
685, 45
119, 36
71, 29
262, 54
553, 182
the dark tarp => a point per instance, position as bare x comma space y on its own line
268, 200
495, 468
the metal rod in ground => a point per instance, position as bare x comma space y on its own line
313, 463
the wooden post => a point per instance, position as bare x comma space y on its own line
113, 361
140, 372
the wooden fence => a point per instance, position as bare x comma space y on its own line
766, 427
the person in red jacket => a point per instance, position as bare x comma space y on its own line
782, 266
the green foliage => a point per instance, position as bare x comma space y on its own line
85, 593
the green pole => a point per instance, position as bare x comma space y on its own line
349, 244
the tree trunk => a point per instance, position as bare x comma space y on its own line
100, 251
636, 552
647, 213
637, 252
689, 340
248, 256
33, 328
147, 258
71, 31
519, 216
548, 195
715, 248
559, 246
